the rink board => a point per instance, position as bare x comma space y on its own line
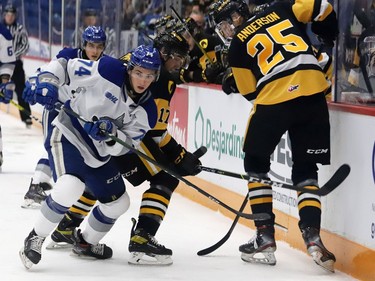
218, 122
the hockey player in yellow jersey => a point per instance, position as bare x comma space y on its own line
273, 63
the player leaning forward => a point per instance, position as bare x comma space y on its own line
279, 70
115, 99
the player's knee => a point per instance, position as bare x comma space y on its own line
255, 164
67, 190
115, 208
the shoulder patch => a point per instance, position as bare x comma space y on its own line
171, 87
68, 53
112, 69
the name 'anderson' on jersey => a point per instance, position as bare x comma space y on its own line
280, 59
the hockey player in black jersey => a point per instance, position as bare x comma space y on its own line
161, 146
274, 64
204, 65
225, 17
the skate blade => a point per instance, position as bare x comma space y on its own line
81, 256
58, 245
138, 258
267, 258
25, 260
30, 204
327, 265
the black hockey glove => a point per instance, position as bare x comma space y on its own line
212, 71
228, 83
188, 164
326, 30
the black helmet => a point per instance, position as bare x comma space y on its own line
171, 43
222, 10
10, 9
189, 25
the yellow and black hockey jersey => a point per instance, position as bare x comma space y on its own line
271, 56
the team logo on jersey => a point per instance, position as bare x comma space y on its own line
203, 43
171, 86
111, 97
293, 88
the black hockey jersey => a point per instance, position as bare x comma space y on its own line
271, 56
157, 143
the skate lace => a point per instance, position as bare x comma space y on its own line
38, 190
98, 249
36, 243
155, 242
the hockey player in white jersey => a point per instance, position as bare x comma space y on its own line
93, 46
7, 63
114, 99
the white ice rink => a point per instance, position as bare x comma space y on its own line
187, 228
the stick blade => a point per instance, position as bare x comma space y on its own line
211, 249
338, 177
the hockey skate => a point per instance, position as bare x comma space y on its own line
31, 252
36, 195
86, 250
145, 250
62, 237
260, 248
28, 122
317, 250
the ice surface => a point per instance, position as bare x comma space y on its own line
187, 228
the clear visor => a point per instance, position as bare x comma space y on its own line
225, 30
181, 60
368, 49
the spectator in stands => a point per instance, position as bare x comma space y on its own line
128, 15
91, 18
20, 47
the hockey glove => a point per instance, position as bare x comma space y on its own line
228, 84
326, 30
28, 93
47, 92
188, 164
100, 129
6, 91
212, 71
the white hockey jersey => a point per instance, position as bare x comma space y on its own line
66, 92
101, 94
7, 58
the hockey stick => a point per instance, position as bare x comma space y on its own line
23, 109
338, 177
187, 30
260, 216
332, 183
214, 247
